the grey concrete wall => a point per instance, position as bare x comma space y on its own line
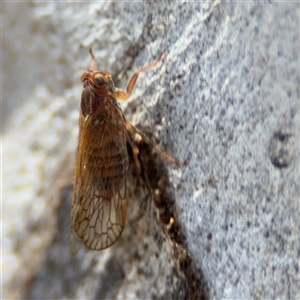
225, 98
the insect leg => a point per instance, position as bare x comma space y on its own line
134, 148
133, 131
122, 95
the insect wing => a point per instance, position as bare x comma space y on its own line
99, 194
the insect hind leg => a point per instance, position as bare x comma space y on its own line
142, 137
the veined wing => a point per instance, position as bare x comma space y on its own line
99, 194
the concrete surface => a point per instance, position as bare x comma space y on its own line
225, 98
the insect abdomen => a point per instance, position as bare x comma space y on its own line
108, 161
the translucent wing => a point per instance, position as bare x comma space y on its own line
99, 194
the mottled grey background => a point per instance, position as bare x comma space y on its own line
225, 98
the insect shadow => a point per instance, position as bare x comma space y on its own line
154, 174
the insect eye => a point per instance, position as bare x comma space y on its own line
99, 80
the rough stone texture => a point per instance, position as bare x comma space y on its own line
225, 99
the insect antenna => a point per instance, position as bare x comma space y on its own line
94, 63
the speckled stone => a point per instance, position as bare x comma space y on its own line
225, 98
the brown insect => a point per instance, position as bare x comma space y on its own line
99, 192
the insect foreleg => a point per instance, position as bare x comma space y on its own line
122, 95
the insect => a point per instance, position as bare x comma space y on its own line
99, 192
